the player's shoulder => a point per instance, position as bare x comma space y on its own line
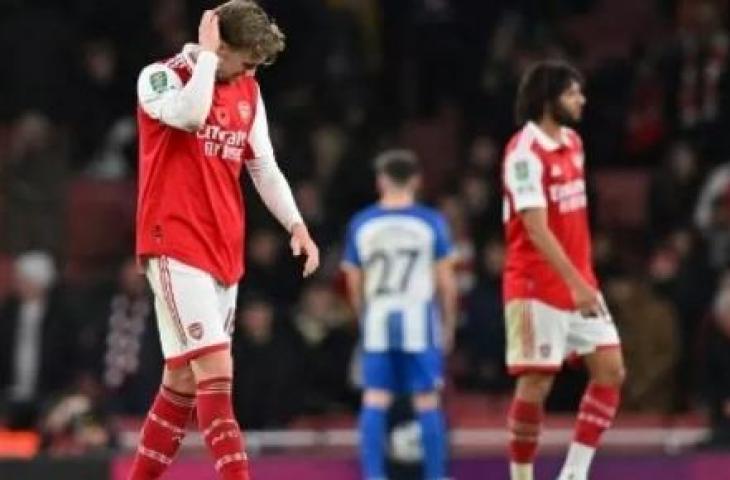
249, 88
364, 215
573, 138
523, 140
429, 217
249, 80
179, 65
155, 79
522, 144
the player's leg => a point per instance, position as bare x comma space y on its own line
598, 340
214, 377
424, 377
216, 420
373, 432
536, 339
524, 420
164, 428
378, 382
192, 330
433, 434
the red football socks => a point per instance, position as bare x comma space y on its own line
596, 413
220, 429
524, 420
162, 434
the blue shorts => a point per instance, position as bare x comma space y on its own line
403, 372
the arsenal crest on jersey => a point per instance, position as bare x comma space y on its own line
244, 110
195, 330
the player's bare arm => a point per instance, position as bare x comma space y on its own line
448, 299
354, 281
587, 299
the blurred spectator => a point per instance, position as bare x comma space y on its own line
716, 186
464, 247
74, 426
646, 119
270, 270
343, 62
327, 332
34, 184
681, 273
114, 157
37, 337
169, 19
650, 344
481, 188
268, 371
482, 203
673, 190
328, 143
483, 334
119, 343
701, 62
716, 366
712, 215
101, 97
605, 256
344, 168
483, 157
308, 195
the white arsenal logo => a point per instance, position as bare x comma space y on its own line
244, 109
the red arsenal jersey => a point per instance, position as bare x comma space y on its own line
542, 173
190, 204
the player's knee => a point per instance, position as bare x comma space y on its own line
534, 387
377, 398
425, 401
179, 379
613, 375
217, 364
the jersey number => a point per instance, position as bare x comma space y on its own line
388, 260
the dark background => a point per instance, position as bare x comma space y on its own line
358, 76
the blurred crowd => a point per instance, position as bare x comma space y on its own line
79, 345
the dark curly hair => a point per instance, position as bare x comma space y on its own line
541, 86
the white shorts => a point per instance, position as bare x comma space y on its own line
541, 337
195, 313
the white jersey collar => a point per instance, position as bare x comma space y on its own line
545, 141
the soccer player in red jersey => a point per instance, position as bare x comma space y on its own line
553, 307
201, 119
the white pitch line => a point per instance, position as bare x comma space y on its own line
663, 439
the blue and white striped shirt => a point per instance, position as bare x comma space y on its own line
397, 250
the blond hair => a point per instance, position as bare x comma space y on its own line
244, 25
